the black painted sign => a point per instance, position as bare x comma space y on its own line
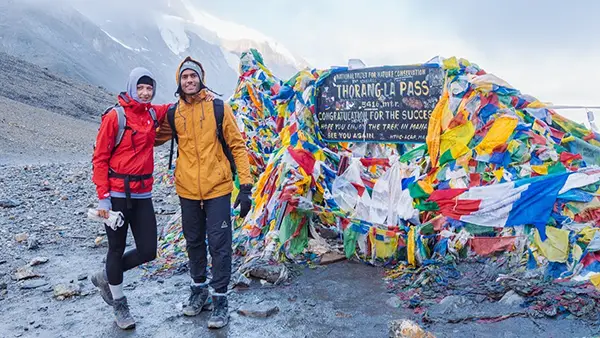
390, 104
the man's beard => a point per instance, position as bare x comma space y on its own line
196, 91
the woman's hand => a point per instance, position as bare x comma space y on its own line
103, 213
104, 207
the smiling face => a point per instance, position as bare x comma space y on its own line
190, 82
145, 92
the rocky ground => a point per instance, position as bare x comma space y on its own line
33, 135
50, 245
44, 116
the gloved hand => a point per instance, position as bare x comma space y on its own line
243, 200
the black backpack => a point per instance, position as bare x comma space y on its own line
219, 109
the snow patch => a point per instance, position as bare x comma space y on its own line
120, 42
172, 30
232, 60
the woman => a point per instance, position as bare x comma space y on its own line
123, 163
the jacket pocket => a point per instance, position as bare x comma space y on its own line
222, 171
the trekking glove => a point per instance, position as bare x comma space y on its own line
243, 200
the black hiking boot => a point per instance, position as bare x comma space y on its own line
123, 318
197, 301
100, 281
220, 314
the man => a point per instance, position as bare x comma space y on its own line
204, 182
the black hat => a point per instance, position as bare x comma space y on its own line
146, 80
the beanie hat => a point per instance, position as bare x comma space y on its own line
192, 66
146, 80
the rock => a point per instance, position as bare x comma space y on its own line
64, 197
270, 273
394, 302
25, 272
262, 310
512, 298
241, 281
33, 284
62, 291
405, 328
340, 314
38, 261
3, 286
450, 304
130, 286
33, 243
328, 233
480, 298
22, 237
331, 257
82, 276
2, 261
100, 241
9, 203
264, 283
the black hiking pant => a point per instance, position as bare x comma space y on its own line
142, 221
213, 219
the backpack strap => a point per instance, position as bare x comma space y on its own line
121, 122
153, 116
171, 119
219, 109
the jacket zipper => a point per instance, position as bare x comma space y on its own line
197, 158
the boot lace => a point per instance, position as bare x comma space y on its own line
220, 310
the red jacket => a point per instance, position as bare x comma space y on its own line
135, 154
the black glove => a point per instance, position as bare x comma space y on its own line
243, 200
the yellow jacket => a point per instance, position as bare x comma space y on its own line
202, 170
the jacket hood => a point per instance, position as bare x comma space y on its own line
134, 77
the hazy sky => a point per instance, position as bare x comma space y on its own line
549, 49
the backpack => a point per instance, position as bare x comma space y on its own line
122, 122
219, 110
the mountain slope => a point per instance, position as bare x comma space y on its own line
64, 41
100, 42
38, 87
44, 116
